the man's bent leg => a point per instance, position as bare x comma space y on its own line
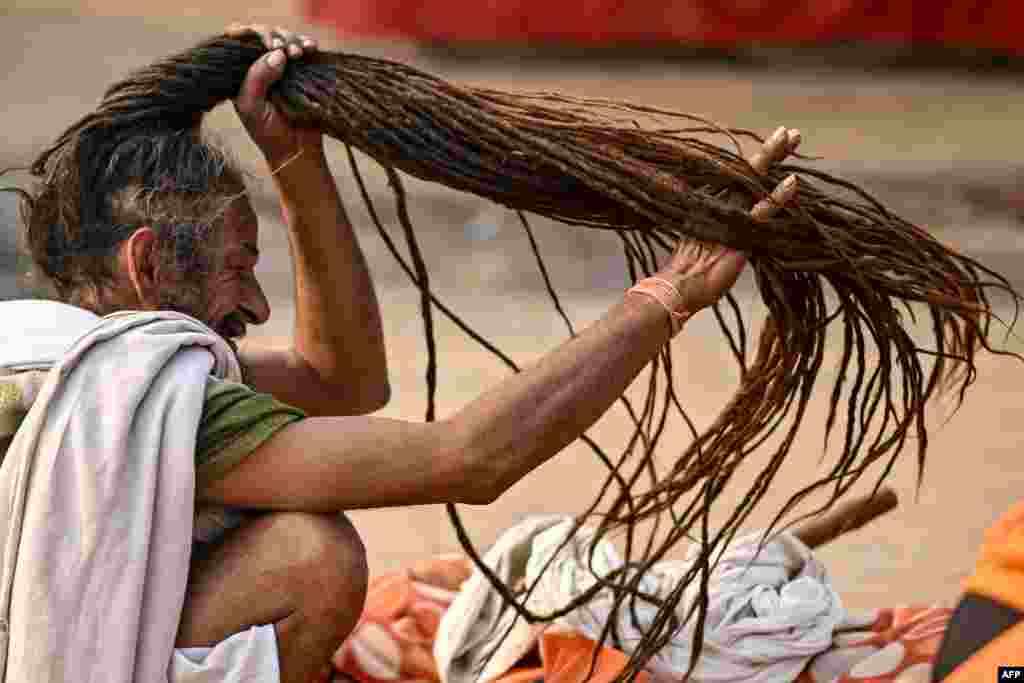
304, 573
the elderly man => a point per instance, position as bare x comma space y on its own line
292, 445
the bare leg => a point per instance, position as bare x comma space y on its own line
304, 573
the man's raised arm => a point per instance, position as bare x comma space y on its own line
322, 464
337, 365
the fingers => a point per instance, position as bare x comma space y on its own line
775, 149
276, 38
782, 195
718, 266
293, 44
283, 44
263, 73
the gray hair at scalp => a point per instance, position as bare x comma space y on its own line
77, 216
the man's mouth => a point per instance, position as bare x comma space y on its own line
231, 329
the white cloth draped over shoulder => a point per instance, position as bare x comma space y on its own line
97, 494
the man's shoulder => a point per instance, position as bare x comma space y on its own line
229, 404
216, 386
219, 390
37, 333
235, 421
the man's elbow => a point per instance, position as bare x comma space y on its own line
335, 399
370, 392
366, 400
478, 493
376, 397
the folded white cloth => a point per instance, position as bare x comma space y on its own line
97, 499
246, 657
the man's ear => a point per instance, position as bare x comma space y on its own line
138, 258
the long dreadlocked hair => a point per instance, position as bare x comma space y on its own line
834, 257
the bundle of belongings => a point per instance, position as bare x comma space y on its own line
773, 617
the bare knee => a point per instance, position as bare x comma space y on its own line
319, 566
304, 573
328, 568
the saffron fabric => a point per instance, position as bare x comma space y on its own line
998, 577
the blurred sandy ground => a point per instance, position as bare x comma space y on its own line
925, 141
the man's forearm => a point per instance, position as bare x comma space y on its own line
338, 325
346, 463
529, 418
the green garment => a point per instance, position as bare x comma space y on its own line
236, 420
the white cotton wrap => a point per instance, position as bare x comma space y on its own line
771, 608
97, 495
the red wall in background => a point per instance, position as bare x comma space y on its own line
995, 24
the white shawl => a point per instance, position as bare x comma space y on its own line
97, 492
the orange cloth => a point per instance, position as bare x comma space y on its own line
1000, 570
567, 658
999, 575
1006, 649
394, 638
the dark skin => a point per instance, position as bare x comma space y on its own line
341, 458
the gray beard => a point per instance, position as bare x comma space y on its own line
183, 296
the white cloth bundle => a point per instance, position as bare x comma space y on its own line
771, 607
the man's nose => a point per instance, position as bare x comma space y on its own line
256, 307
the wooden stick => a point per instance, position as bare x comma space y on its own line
846, 517
815, 533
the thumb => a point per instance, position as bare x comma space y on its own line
264, 72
